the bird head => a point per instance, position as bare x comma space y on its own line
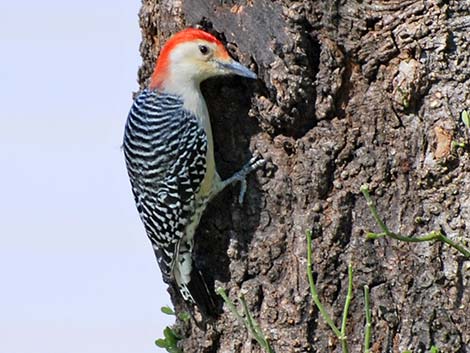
190, 57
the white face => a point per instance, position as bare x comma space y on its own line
197, 60
190, 63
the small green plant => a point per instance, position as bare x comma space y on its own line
405, 97
183, 316
461, 143
167, 310
170, 337
247, 319
339, 333
457, 144
432, 236
368, 328
434, 349
465, 116
170, 341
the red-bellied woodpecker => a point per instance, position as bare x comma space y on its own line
169, 152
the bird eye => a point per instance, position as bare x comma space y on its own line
203, 49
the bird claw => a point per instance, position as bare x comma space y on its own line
240, 176
253, 164
241, 195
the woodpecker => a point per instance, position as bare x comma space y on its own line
169, 151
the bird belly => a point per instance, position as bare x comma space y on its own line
207, 182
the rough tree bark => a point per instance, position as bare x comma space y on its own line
349, 92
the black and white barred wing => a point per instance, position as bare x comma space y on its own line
165, 149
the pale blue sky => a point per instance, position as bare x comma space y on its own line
77, 272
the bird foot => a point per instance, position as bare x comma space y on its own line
253, 164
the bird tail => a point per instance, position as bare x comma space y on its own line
191, 283
201, 296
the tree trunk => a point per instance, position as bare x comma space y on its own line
349, 92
